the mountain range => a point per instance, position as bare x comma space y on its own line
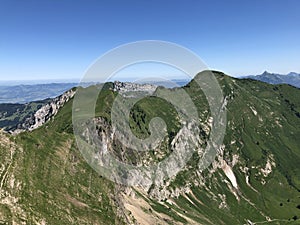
291, 78
254, 179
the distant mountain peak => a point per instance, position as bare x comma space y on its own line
266, 73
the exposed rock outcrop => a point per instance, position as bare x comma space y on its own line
127, 89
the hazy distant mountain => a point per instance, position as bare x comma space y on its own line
30, 93
273, 78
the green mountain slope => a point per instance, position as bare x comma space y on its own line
255, 178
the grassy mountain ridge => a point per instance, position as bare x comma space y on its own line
44, 179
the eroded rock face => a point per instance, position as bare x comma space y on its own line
156, 183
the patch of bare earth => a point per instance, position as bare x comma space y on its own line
142, 211
76, 202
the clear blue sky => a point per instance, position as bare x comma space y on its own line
50, 39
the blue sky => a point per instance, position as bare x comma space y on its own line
54, 39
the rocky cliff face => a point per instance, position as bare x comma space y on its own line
45, 113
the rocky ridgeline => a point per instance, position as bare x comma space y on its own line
127, 89
45, 113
